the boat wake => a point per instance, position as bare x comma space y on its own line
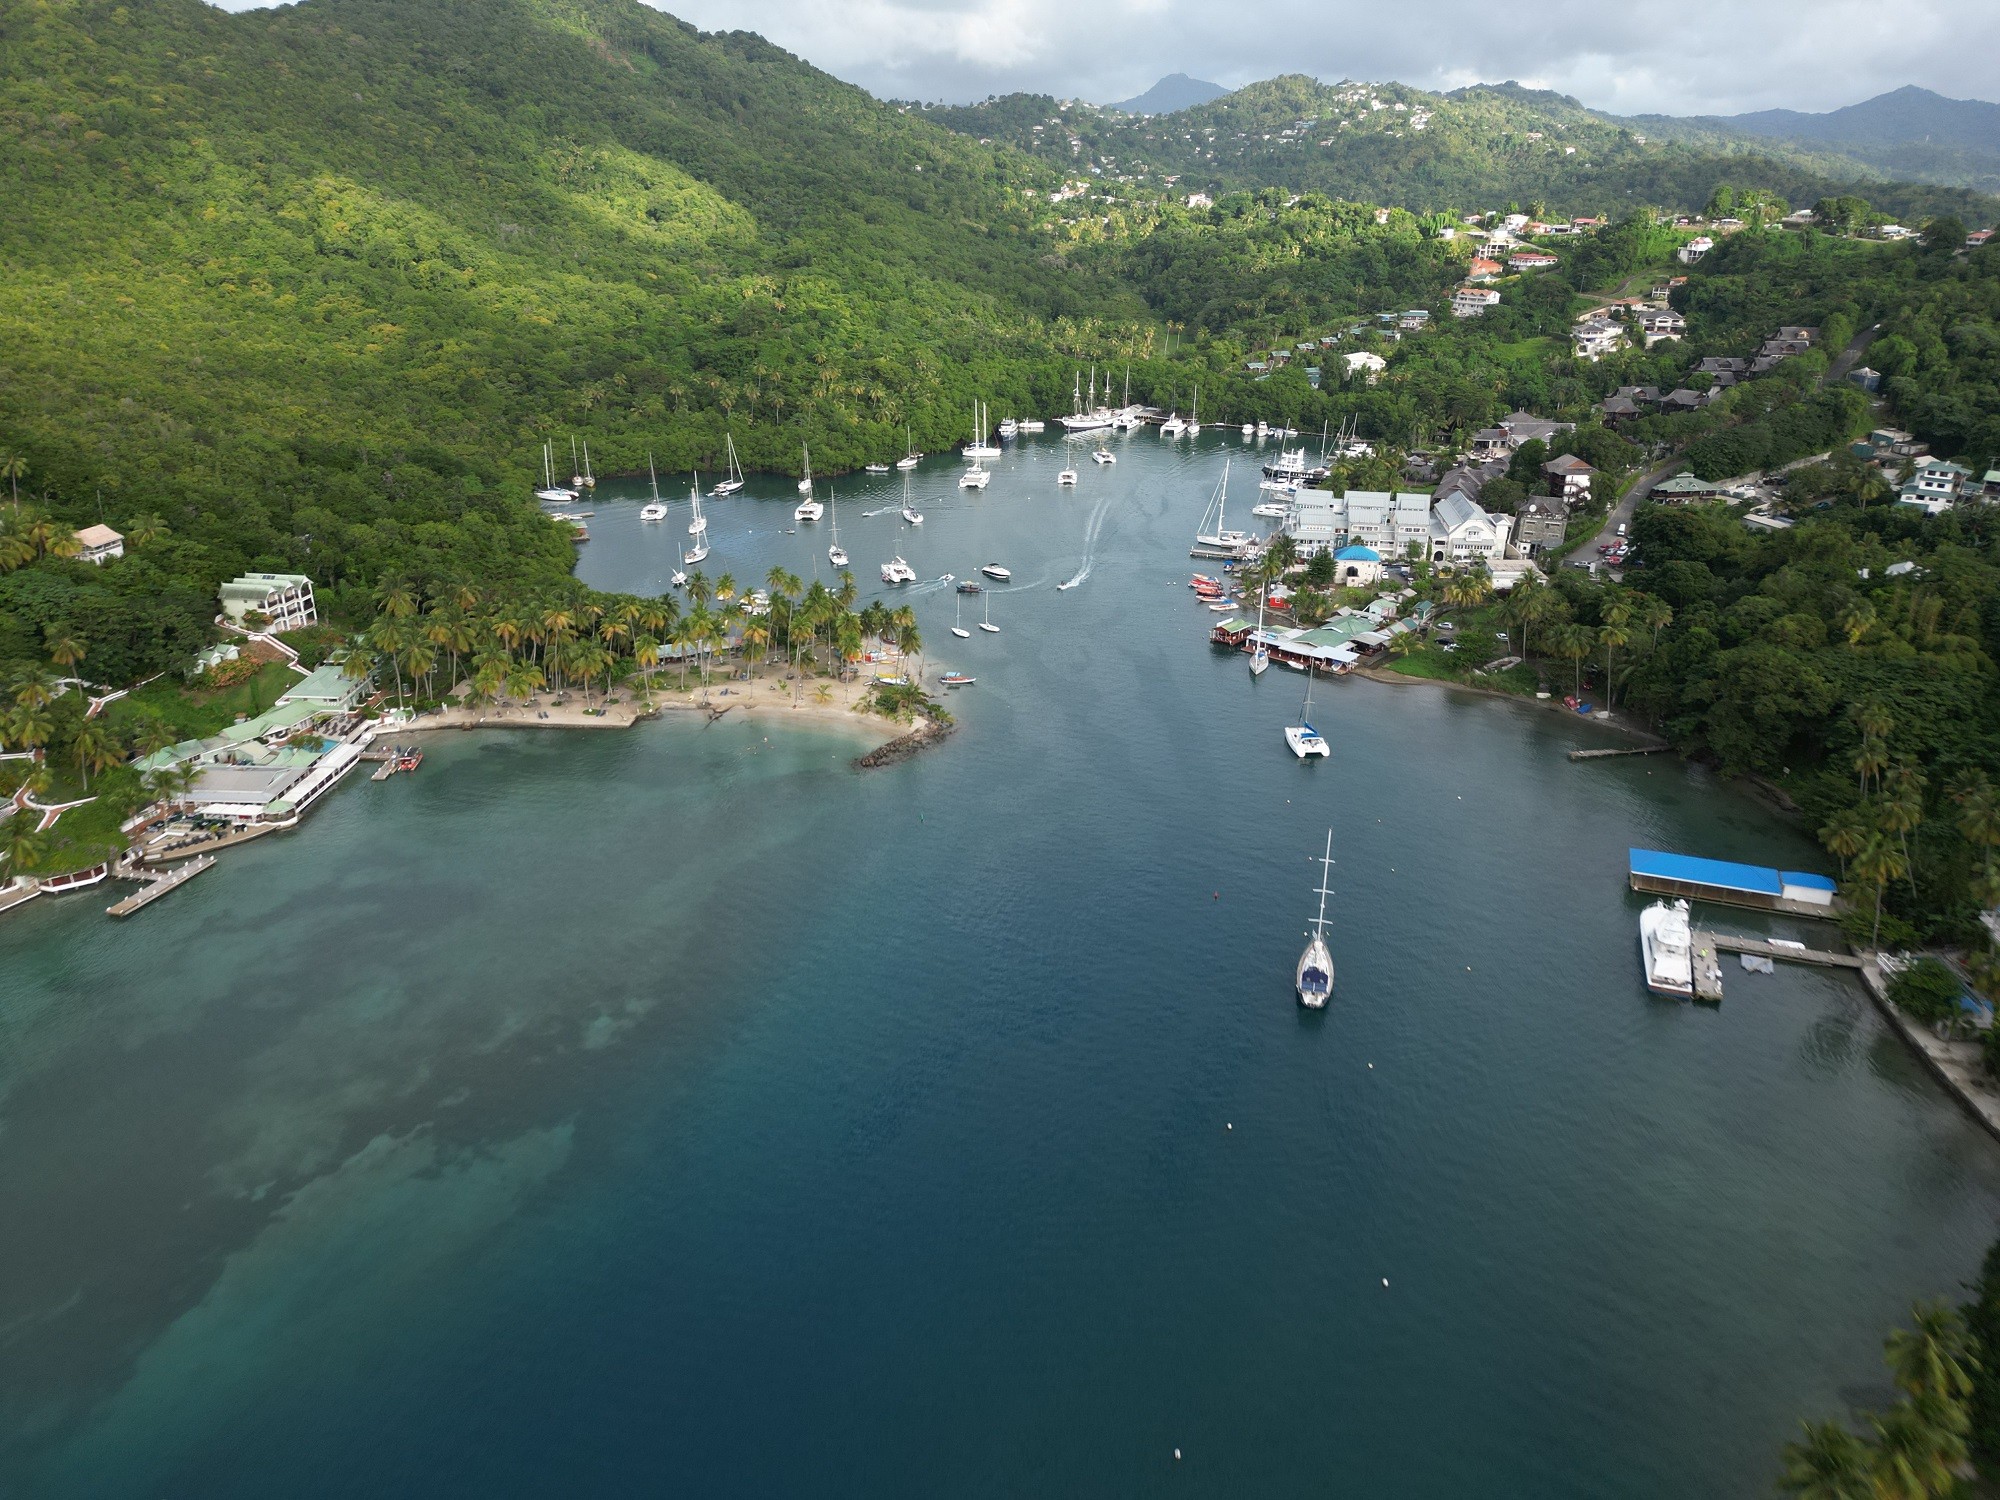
883, 510
928, 586
1090, 532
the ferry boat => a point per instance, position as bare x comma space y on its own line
1305, 740
895, 570
974, 479
995, 571
1666, 948
1313, 978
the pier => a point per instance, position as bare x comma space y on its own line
1728, 942
1607, 754
157, 885
1707, 968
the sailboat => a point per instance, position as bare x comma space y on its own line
836, 554
576, 480
908, 460
1194, 415
1221, 538
1067, 476
1173, 427
987, 624
1313, 978
1260, 658
914, 516
550, 491
589, 479
734, 479
809, 509
1079, 419
697, 528
657, 509
1302, 737
806, 484
957, 629
979, 448
975, 478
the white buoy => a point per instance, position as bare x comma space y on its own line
1228, 1127
1177, 1455
1385, 1281
1371, 1067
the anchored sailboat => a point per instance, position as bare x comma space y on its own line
806, 483
836, 554
550, 491
1314, 977
1222, 539
697, 528
657, 509
910, 459
1302, 737
957, 629
1259, 657
979, 448
734, 479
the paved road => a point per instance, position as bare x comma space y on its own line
1621, 513
1846, 359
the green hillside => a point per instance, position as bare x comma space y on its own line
1470, 149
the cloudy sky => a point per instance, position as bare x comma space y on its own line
1721, 57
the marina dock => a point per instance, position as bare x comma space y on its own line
1707, 968
157, 885
1607, 754
1783, 952
1795, 892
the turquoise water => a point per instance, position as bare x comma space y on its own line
681, 1111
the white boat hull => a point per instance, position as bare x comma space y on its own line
1666, 949
1313, 979
1306, 741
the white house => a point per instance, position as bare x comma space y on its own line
1460, 531
1694, 249
1361, 360
1388, 523
1356, 566
1472, 301
1597, 338
99, 544
285, 599
1661, 323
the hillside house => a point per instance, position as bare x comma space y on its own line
1482, 269
99, 544
1659, 324
285, 599
1361, 361
1530, 260
1472, 301
1597, 338
1389, 523
1541, 522
1568, 477
1460, 531
1694, 249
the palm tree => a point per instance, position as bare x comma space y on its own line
725, 587
13, 469
1829, 1463
146, 530
1656, 615
29, 726
1843, 834
1978, 815
1613, 635
1871, 760
93, 749
1935, 1357
1916, 1451
1903, 811
25, 845
524, 680
65, 650
1873, 718
1573, 642
395, 598
1876, 863
646, 656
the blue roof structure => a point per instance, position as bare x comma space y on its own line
1357, 554
1723, 874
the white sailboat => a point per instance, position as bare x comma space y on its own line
808, 509
1302, 737
957, 629
733, 480
974, 479
1667, 950
589, 479
1194, 415
551, 492
987, 624
1079, 419
836, 554
697, 528
1260, 658
1222, 539
576, 465
979, 448
914, 516
1173, 427
910, 459
806, 483
1313, 979
656, 509
1104, 456
895, 570
1067, 476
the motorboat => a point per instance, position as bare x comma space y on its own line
1066, 477
957, 679
875, 469
995, 571
1272, 510
1104, 456
1248, 430
1009, 427
1666, 948
808, 509
972, 586
1031, 424
1221, 538
1305, 740
1173, 427
974, 478
1289, 466
757, 602
732, 479
895, 570
914, 517
1313, 979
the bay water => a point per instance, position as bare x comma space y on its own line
682, 1111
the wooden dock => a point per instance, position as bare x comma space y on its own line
157, 886
1607, 754
1707, 968
1729, 942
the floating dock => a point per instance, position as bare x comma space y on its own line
1607, 754
158, 885
1707, 968
1794, 892
1789, 953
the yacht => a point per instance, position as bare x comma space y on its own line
1248, 430
979, 448
1009, 427
1068, 476
974, 478
1173, 427
1080, 420
1305, 740
1667, 950
680, 577
912, 458
1104, 456
914, 516
551, 492
1313, 978
895, 570
589, 479
697, 528
1194, 415
957, 629
1260, 656
656, 508
971, 586
836, 554
732, 480
1031, 424
808, 509
996, 572
1272, 510
699, 525
1222, 539
875, 469
987, 624
806, 482
1289, 466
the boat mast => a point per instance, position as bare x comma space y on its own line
653, 475
1325, 876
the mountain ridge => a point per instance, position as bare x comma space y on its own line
1170, 95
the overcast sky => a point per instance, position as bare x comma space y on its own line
1724, 57
1719, 58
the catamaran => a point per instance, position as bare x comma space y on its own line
1173, 427
806, 458
1067, 476
1666, 949
808, 509
979, 448
1221, 539
836, 554
1104, 456
550, 491
895, 570
733, 480
1313, 978
974, 478
1302, 737
656, 509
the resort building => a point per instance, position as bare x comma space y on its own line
99, 544
1461, 530
1361, 360
1386, 523
285, 599
1568, 476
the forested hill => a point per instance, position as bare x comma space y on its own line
1470, 149
335, 269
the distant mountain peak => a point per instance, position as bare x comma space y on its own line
1176, 91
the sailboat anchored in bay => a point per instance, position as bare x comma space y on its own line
1313, 978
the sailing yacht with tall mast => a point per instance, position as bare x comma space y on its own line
806, 458
656, 510
1313, 979
1305, 740
551, 492
910, 459
1080, 419
733, 480
835, 554
698, 529
1221, 538
979, 448
1260, 656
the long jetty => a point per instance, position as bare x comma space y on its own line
1607, 754
157, 886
